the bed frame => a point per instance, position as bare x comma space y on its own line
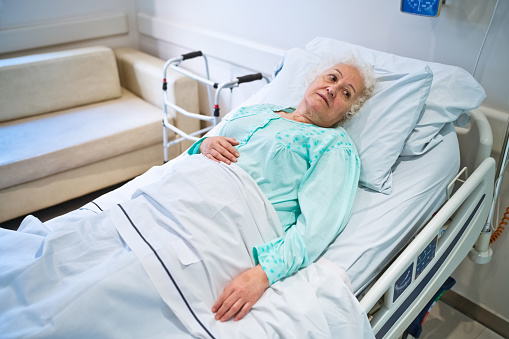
396, 298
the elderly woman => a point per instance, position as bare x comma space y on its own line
307, 169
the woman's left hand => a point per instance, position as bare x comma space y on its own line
241, 294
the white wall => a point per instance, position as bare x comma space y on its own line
453, 38
246, 36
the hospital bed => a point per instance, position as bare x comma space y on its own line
408, 230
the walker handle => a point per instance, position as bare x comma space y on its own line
191, 55
250, 77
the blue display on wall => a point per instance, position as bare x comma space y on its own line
422, 7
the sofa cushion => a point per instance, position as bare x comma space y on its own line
49, 82
142, 74
35, 147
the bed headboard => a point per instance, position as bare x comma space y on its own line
476, 141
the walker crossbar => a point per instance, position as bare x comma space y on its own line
191, 136
214, 119
186, 113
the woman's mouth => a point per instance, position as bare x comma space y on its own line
324, 99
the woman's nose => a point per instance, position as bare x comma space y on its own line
330, 91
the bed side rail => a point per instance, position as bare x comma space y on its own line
394, 301
476, 141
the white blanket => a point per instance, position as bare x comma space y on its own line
183, 239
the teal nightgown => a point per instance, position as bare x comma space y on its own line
308, 173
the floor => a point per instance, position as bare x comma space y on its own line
444, 322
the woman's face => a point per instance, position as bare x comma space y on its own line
331, 94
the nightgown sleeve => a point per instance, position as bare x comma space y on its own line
326, 195
195, 148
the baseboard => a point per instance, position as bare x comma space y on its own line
477, 313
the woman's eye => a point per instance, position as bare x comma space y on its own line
346, 93
333, 77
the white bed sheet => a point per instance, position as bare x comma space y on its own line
380, 224
75, 276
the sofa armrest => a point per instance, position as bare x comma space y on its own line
142, 74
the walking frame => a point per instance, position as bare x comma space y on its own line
214, 119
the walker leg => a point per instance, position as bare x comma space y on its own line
165, 144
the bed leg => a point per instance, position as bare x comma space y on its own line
481, 253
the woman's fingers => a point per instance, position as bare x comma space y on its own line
226, 150
220, 300
228, 144
234, 305
220, 149
217, 157
245, 309
241, 294
229, 309
223, 303
232, 141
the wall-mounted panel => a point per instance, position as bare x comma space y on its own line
65, 31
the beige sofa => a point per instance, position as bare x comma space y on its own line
76, 121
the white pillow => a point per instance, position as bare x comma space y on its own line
384, 122
453, 92
380, 128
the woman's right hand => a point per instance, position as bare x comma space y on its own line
220, 149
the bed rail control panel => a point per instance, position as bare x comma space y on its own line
403, 282
423, 260
213, 119
426, 257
